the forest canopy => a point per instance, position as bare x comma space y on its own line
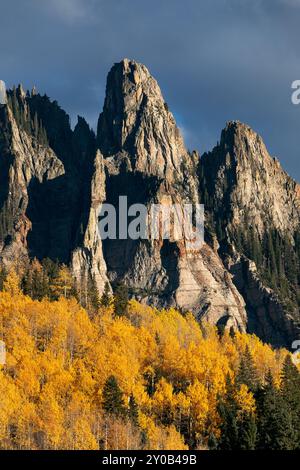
76, 378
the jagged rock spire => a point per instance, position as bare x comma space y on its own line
257, 188
136, 120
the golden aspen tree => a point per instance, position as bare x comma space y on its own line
12, 284
245, 400
64, 283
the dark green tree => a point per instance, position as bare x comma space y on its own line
232, 332
212, 442
93, 294
247, 432
133, 410
228, 410
113, 401
290, 390
121, 300
238, 429
247, 373
275, 425
106, 296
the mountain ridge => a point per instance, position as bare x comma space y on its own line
238, 278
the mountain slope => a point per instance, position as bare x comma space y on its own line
55, 180
254, 208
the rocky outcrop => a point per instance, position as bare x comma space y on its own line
3, 97
266, 315
22, 162
255, 208
146, 161
136, 120
51, 190
88, 258
247, 185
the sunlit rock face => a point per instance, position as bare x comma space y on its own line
147, 161
255, 205
3, 97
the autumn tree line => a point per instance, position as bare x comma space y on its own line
52, 280
117, 374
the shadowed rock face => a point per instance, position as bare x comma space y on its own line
50, 192
54, 181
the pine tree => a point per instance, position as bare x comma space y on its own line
248, 432
113, 401
93, 294
247, 373
227, 409
121, 300
290, 389
133, 411
275, 427
106, 297
238, 429
232, 332
212, 442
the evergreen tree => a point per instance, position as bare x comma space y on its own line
121, 300
275, 426
105, 300
113, 401
247, 373
248, 432
238, 429
227, 408
290, 389
133, 411
232, 332
212, 442
93, 294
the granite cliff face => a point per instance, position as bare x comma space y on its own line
254, 208
55, 180
146, 161
136, 121
247, 184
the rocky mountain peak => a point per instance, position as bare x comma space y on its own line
257, 189
136, 121
238, 135
54, 180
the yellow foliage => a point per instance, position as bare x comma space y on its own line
245, 400
58, 360
12, 284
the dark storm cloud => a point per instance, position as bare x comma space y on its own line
215, 60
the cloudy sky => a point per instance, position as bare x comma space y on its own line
215, 60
